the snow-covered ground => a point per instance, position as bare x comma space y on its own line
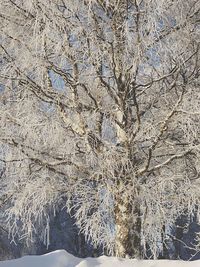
61, 258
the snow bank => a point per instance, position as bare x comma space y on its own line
61, 258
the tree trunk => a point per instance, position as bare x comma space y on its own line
165, 252
180, 225
128, 229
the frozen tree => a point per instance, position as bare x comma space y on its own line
100, 109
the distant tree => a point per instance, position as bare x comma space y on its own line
100, 106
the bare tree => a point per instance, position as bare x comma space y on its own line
100, 106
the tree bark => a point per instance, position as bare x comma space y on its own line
165, 252
128, 229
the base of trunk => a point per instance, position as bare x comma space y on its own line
128, 230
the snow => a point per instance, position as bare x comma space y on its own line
61, 258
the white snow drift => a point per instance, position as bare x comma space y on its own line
61, 258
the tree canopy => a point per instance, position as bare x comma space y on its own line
100, 111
